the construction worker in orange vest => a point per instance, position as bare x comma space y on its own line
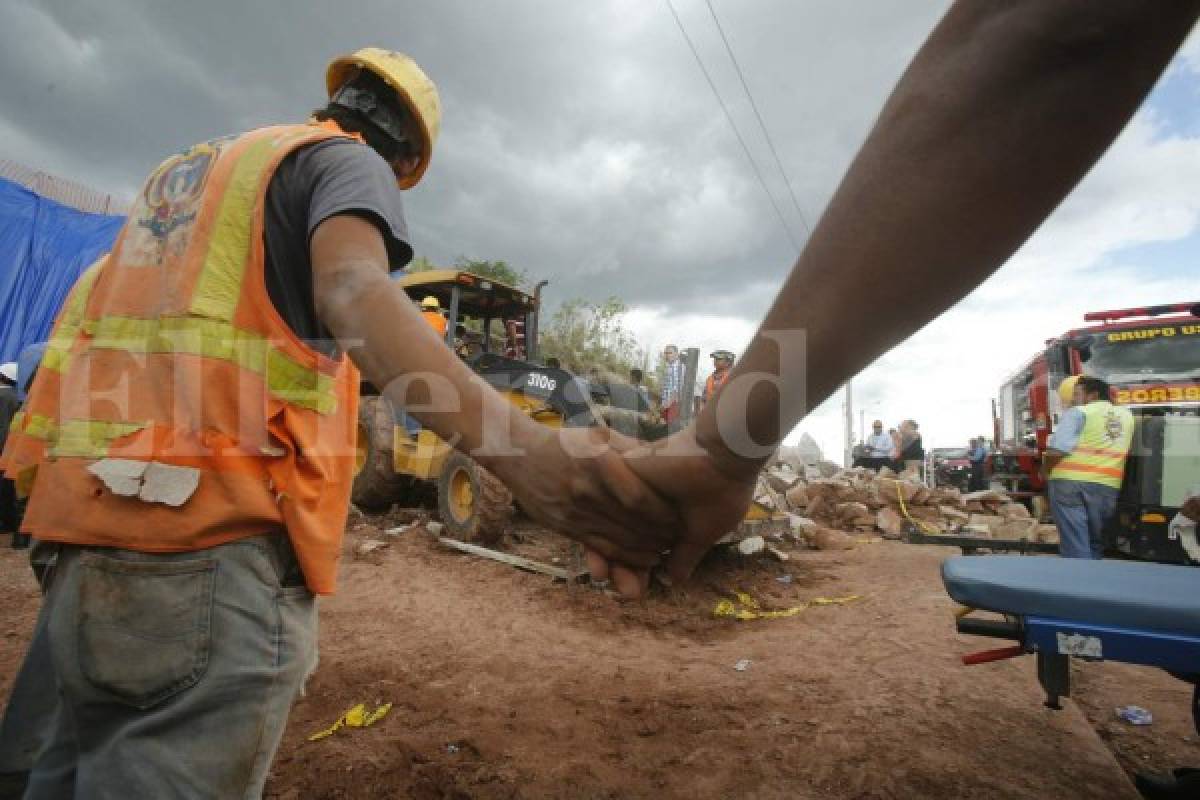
189, 442
431, 310
722, 364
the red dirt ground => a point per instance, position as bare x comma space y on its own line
509, 685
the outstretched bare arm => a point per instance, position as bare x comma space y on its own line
1001, 113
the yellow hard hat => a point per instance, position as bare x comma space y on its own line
410, 82
429, 301
1066, 390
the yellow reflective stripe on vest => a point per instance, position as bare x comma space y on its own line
1099, 451
57, 356
285, 378
38, 426
85, 438
1099, 455
89, 438
219, 286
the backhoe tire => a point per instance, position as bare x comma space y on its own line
376, 485
473, 504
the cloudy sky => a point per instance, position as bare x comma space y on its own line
582, 143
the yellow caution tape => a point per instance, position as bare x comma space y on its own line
923, 526
356, 717
747, 608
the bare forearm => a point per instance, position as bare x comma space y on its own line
378, 326
1003, 111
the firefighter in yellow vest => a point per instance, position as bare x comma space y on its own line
1085, 462
189, 441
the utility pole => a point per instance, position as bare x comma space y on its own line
687, 392
849, 423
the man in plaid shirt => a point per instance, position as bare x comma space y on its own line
672, 384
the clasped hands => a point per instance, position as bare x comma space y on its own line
632, 505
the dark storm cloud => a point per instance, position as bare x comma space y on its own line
580, 142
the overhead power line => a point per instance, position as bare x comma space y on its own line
758, 116
745, 148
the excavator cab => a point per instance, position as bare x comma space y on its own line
493, 327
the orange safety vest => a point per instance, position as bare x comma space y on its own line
436, 321
715, 381
170, 354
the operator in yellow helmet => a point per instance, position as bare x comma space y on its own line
431, 310
196, 517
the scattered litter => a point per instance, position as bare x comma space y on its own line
369, 546
356, 717
742, 665
562, 574
1135, 715
400, 530
747, 608
784, 578
751, 545
451, 748
777, 554
434, 528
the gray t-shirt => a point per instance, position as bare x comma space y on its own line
310, 186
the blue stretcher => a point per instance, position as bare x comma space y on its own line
1058, 609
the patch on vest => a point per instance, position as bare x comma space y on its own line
1113, 429
148, 481
170, 201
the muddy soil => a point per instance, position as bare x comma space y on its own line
506, 684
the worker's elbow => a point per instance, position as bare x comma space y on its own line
341, 291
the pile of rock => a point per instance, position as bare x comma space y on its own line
826, 505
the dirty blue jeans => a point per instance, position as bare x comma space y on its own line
28, 719
176, 671
1081, 509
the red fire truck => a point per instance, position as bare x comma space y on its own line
1151, 358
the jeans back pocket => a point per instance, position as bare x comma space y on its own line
144, 626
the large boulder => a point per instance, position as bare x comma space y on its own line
1013, 511
891, 489
851, 511
797, 496
989, 521
953, 515
829, 539
989, 498
1016, 529
889, 522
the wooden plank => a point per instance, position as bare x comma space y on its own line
519, 562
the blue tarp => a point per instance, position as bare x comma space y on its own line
44, 246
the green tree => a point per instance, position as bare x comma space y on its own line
421, 264
496, 270
585, 336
